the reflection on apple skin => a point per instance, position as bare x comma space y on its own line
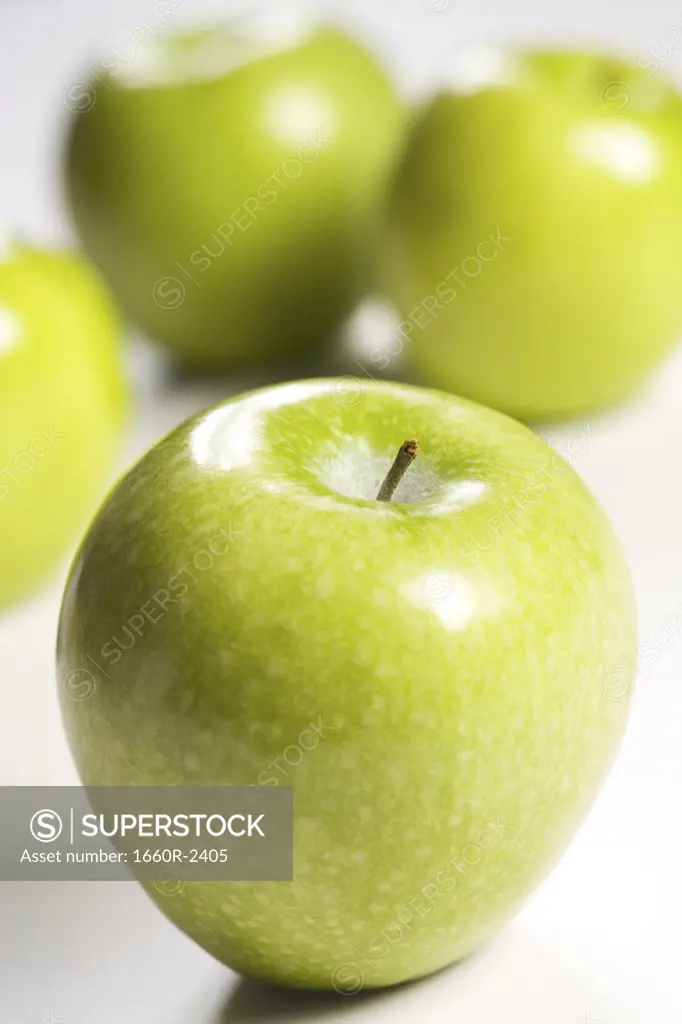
623, 150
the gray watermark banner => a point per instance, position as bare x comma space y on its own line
116, 833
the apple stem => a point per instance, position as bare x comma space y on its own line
407, 453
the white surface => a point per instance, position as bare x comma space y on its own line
600, 941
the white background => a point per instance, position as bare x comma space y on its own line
601, 940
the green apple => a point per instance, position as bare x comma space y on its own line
435, 674
228, 184
532, 255
62, 399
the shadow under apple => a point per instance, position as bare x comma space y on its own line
251, 1001
512, 980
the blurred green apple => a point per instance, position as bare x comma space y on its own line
442, 676
536, 250
227, 182
62, 401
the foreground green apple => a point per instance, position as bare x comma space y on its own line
227, 183
430, 673
533, 258
61, 407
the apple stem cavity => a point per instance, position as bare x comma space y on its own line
407, 453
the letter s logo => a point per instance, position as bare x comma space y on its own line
46, 826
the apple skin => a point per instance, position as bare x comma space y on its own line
576, 160
450, 658
62, 404
237, 218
